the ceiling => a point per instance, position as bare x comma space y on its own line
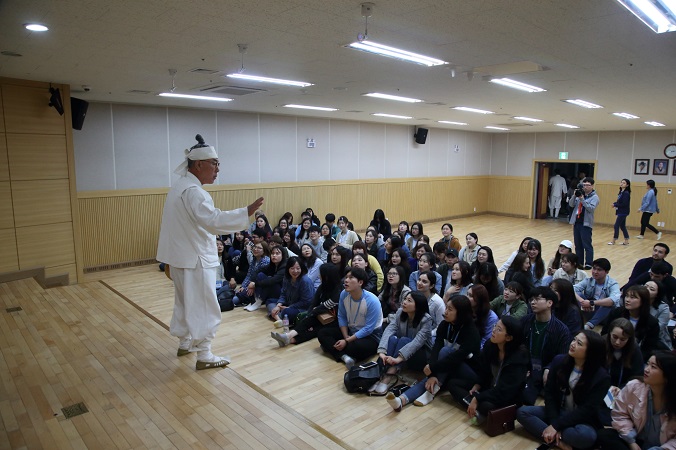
591, 49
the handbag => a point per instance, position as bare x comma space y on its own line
361, 378
500, 420
326, 318
399, 389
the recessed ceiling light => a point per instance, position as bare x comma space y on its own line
528, 119
392, 116
517, 85
195, 97
583, 103
392, 97
316, 108
658, 16
491, 127
451, 123
35, 27
565, 125
625, 115
393, 52
474, 110
655, 124
241, 76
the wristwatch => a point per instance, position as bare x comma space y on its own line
591, 303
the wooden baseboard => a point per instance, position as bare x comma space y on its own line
121, 265
39, 274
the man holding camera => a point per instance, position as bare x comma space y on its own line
584, 203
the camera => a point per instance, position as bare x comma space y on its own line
579, 191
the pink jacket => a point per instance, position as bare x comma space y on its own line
630, 411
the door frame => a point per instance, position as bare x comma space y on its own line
532, 213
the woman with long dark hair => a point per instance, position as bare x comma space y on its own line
574, 392
520, 272
394, 291
360, 260
268, 283
567, 309
398, 258
537, 265
522, 249
487, 275
381, 224
565, 248
484, 255
621, 206
339, 257
648, 208
469, 252
484, 318
296, 296
461, 280
623, 357
570, 269
303, 233
289, 241
312, 262
416, 232
659, 309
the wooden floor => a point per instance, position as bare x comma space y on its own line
105, 343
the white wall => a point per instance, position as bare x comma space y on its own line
133, 147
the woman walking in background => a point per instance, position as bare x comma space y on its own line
648, 208
622, 211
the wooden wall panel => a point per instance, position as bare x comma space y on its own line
2, 115
41, 202
70, 269
6, 211
37, 157
26, 110
9, 261
4, 164
607, 192
46, 245
510, 195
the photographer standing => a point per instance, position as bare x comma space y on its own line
584, 203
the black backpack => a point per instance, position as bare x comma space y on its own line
361, 378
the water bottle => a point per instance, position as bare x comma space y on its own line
285, 324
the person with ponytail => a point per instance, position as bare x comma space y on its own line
648, 208
622, 211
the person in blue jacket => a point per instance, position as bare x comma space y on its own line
648, 208
621, 212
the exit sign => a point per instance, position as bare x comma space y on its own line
563, 155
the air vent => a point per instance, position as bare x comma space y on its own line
437, 103
354, 111
203, 71
229, 90
138, 91
74, 410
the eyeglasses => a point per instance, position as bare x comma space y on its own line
258, 247
393, 274
214, 163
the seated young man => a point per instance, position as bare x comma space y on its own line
598, 294
317, 243
545, 336
660, 271
643, 265
331, 222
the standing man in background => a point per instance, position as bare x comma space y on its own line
188, 244
584, 202
557, 189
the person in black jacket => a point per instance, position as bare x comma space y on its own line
268, 283
457, 338
500, 372
574, 392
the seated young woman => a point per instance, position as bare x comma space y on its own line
420, 250
289, 241
565, 247
483, 255
469, 252
296, 296
637, 309
269, 281
346, 237
574, 393
456, 339
403, 228
447, 237
371, 241
339, 257
461, 280
325, 301
392, 242
371, 285
261, 259
484, 318
406, 341
236, 270
303, 232
495, 377
644, 414
398, 258
522, 249
312, 262
569, 270
426, 263
416, 232
359, 247
537, 265
381, 224
263, 224
519, 271
659, 309
394, 292
511, 302
426, 282
566, 309
487, 276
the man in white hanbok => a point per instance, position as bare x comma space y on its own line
190, 223
558, 189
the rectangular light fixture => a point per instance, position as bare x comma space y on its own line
195, 97
625, 115
241, 76
517, 85
528, 119
316, 108
397, 53
392, 97
491, 127
582, 103
565, 125
451, 123
474, 110
392, 116
659, 16
655, 124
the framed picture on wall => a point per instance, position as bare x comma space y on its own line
661, 167
674, 170
641, 166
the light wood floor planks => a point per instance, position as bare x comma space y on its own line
87, 344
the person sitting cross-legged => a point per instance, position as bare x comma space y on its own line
597, 295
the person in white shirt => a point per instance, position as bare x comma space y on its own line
557, 189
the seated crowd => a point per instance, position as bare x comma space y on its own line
582, 361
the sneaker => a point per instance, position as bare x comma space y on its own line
611, 243
349, 362
640, 236
281, 338
373, 387
393, 401
587, 267
589, 326
215, 362
254, 306
382, 388
659, 235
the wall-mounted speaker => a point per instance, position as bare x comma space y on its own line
421, 135
78, 108
55, 100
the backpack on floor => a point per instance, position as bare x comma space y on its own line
361, 378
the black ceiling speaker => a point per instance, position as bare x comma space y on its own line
55, 100
421, 135
78, 109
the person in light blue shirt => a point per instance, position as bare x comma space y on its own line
648, 208
599, 294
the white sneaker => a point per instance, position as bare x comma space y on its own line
349, 362
640, 236
254, 306
659, 235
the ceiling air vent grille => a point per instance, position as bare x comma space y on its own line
229, 90
203, 71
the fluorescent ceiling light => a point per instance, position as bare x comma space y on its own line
317, 108
241, 76
626, 115
659, 16
491, 127
655, 124
474, 110
583, 103
528, 119
517, 85
195, 97
565, 125
393, 52
35, 27
393, 116
392, 97
451, 123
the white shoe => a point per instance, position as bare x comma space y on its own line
659, 235
254, 306
213, 363
349, 362
640, 236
